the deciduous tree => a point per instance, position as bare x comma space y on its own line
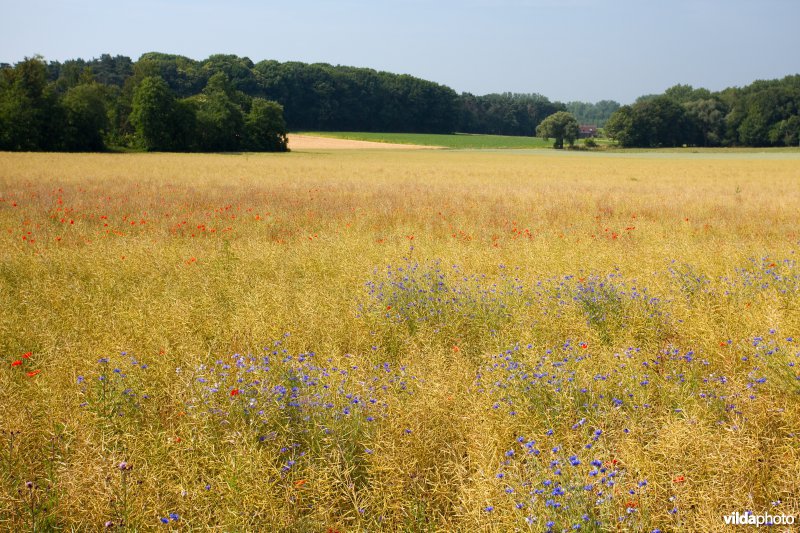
561, 126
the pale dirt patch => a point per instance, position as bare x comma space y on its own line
310, 142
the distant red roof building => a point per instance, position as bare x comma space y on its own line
587, 130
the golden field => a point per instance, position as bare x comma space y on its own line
414, 341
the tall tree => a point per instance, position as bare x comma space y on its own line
30, 115
86, 117
152, 114
265, 127
561, 126
220, 121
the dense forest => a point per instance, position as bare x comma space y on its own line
764, 113
229, 103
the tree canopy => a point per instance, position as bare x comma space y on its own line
764, 113
229, 103
561, 126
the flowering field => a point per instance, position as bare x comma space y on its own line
416, 341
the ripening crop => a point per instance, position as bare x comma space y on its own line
398, 341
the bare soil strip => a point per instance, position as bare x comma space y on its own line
310, 142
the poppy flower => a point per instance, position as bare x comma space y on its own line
34, 372
27, 355
16, 363
235, 392
679, 479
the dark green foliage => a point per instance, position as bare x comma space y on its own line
220, 120
153, 114
86, 117
323, 97
504, 114
595, 114
761, 114
30, 115
184, 76
265, 127
561, 126
652, 123
708, 118
217, 104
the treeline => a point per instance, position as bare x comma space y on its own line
596, 114
226, 102
229, 103
113, 102
764, 113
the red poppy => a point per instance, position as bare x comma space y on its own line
16, 363
27, 355
679, 479
235, 392
584, 345
33, 372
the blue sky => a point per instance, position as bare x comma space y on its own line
564, 49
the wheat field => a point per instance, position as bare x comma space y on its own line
398, 341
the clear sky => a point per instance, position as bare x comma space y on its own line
567, 50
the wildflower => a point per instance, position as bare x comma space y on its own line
16, 363
34, 372
235, 392
27, 355
679, 479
